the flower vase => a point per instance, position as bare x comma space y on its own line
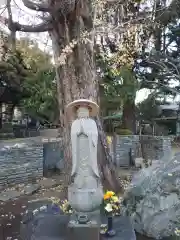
110, 231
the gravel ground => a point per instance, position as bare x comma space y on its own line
10, 218
11, 212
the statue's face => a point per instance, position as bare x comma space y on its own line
83, 110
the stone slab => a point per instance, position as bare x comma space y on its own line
8, 195
37, 203
123, 227
47, 224
48, 183
31, 188
53, 225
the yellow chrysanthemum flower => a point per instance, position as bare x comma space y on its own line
110, 193
115, 199
106, 197
109, 140
177, 232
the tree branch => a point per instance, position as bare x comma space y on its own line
15, 26
42, 27
10, 25
43, 7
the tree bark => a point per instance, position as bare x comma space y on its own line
10, 111
77, 77
0, 115
129, 119
109, 175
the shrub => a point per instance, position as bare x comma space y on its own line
123, 131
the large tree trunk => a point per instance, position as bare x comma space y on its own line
129, 119
10, 111
77, 77
109, 175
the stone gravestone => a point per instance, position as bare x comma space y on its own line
85, 193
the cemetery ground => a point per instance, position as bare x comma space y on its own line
12, 210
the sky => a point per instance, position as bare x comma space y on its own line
2, 2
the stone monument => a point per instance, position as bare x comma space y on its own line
85, 193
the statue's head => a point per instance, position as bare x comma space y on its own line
83, 107
82, 111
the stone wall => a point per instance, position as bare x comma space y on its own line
28, 159
49, 133
20, 161
25, 160
125, 149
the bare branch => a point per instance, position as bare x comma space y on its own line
10, 25
43, 7
42, 27
173, 90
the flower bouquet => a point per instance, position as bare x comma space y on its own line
177, 234
111, 206
111, 203
63, 205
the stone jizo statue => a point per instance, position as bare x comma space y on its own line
85, 194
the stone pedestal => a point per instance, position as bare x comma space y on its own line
87, 231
